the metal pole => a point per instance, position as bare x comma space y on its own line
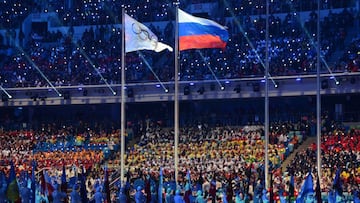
318, 96
122, 134
176, 97
267, 97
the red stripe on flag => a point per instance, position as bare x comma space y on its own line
200, 42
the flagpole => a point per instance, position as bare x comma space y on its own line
267, 97
318, 96
176, 96
122, 133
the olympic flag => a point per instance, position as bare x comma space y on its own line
140, 37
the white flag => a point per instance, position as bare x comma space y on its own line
139, 37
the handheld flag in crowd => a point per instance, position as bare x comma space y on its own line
331, 196
33, 181
335, 195
200, 33
318, 190
107, 185
271, 188
12, 188
47, 186
83, 191
140, 37
63, 180
187, 194
306, 189
188, 176
3, 186
160, 189
264, 196
337, 183
291, 188
356, 196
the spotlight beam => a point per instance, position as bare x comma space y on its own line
97, 70
208, 66
313, 43
6, 92
35, 66
38, 69
82, 52
248, 41
151, 69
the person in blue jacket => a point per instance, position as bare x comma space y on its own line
75, 195
57, 195
122, 195
239, 198
169, 198
200, 198
98, 196
139, 195
356, 196
224, 196
178, 198
3, 187
154, 195
25, 192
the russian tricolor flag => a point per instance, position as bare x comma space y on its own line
200, 33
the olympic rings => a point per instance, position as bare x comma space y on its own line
143, 34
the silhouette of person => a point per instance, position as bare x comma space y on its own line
178, 198
139, 195
98, 196
122, 195
25, 192
75, 195
57, 195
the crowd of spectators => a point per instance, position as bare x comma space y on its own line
351, 59
340, 150
251, 7
219, 154
224, 155
227, 153
234, 156
89, 12
109, 12
54, 146
67, 61
208, 152
13, 12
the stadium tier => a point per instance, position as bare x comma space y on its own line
179, 101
